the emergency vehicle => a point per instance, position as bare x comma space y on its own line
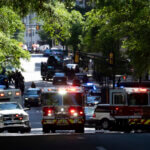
127, 108
11, 95
63, 109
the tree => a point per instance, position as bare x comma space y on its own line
45, 38
124, 23
63, 25
10, 51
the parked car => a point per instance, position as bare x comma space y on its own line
47, 53
82, 77
59, 79
32, 97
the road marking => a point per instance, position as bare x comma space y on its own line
100, 148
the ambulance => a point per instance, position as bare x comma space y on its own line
11, 95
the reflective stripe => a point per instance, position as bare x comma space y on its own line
139, 121
63, 121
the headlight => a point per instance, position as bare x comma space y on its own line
26, 98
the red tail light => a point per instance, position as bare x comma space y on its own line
94, 115
48, 111
117, 108
76, 111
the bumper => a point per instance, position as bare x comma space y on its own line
15, 125
32, 102
63, 123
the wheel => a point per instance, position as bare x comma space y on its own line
46, 129
105, 124
43, 79
1, 130
79, 130
53, 130
26, 130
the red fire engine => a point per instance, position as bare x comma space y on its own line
63, 109
125, 108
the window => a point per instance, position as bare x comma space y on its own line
53, 99
118, 99
9, 106
138, 99
73, 99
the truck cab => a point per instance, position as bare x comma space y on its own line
125, 108
63, 109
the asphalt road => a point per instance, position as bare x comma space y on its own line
66, 140
78, 142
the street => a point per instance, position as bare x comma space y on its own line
91, 139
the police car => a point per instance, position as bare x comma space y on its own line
63, 109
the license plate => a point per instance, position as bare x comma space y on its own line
8, 122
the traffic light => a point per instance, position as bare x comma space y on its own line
37, 27
111, 58
124, 77
76, 59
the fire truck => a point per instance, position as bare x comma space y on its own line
11, 95
63, 109
124, 109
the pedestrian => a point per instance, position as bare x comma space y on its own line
77, 69
22, 87
33, 85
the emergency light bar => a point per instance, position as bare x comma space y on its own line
63, 90
2, 94
136, 90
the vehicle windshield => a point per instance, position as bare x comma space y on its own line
9, 106
56, 99
47, 51
138, 99
73, 99
89, 110
32, 92
51, 99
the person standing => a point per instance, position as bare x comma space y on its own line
33, 85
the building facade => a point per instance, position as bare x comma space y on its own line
31, 32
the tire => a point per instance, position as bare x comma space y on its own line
53, 130
43, 79
46, 129
105, 124
26, 130
79, 130
1, 130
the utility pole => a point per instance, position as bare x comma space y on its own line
111, 62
